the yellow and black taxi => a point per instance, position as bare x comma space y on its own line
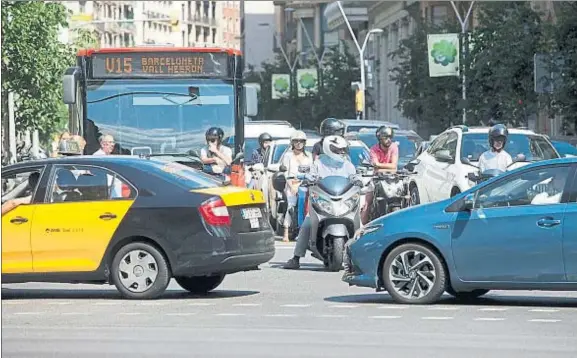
128, 221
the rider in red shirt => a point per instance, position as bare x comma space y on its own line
384, 157
385, 154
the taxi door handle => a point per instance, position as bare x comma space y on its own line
19, 220
108, 216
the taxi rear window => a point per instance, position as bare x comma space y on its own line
182, 175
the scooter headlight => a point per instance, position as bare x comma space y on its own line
335, 208
353, 201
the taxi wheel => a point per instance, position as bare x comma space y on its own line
199, 284
140, 271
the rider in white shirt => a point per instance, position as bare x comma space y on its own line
496, 157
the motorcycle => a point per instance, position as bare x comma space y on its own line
478, 178
297, 212
366, 171
257, 175
335, 213
391, 192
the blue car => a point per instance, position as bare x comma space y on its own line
517, 231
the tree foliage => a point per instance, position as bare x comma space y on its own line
334, 98
500, 74
498, 66
566, 41
430, 101
33, 61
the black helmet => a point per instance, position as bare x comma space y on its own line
215, 132
497, 131
385, 132
332, 126
264, 137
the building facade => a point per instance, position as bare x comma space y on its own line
259, 33
158, 23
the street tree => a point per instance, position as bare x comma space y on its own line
500, 77
566, 40
333, 97
432, 102
33, 61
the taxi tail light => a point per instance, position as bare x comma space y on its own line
214, 212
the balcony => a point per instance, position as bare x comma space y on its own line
127, 26
356, 11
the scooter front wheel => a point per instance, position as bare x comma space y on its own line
335, 256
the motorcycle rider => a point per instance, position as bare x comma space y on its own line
292, 161
264, 141
334, 161
215, 155
385, 154
496, 157
329, 127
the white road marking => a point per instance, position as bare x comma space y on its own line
280, 315
438, 318
201, 304
392, 307
153, 303
247, 304
296, 306
107, 303
230, 314
181, 314
489, 319
443, 308
58, 303
13, 302
493, 309
332, 316
75, 313
385, 317
130, 313
544, 310
545, 320
28, 313
343, 306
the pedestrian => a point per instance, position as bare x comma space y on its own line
106, 145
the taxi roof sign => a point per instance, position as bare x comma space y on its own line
69, 147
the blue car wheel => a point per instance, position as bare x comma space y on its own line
412, 273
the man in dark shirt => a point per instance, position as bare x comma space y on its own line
330, 126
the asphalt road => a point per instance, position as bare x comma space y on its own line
279, 313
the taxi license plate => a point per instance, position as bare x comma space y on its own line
251, 213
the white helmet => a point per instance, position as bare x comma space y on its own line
336, 147
298, 135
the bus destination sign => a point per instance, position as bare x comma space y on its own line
159, 64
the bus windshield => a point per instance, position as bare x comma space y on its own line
152, 116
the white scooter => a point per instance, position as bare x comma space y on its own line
335, 212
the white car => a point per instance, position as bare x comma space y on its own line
441, 173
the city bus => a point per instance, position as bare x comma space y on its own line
158, 101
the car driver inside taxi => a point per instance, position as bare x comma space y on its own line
12, 204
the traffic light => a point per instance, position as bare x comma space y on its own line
175, 22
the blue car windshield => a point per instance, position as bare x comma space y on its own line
533, 147
169, 116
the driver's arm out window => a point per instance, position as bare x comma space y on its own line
19, 189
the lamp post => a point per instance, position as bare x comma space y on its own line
361, 50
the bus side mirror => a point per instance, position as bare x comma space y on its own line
69, 83
251, 101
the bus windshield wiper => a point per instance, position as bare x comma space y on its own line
165, 94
